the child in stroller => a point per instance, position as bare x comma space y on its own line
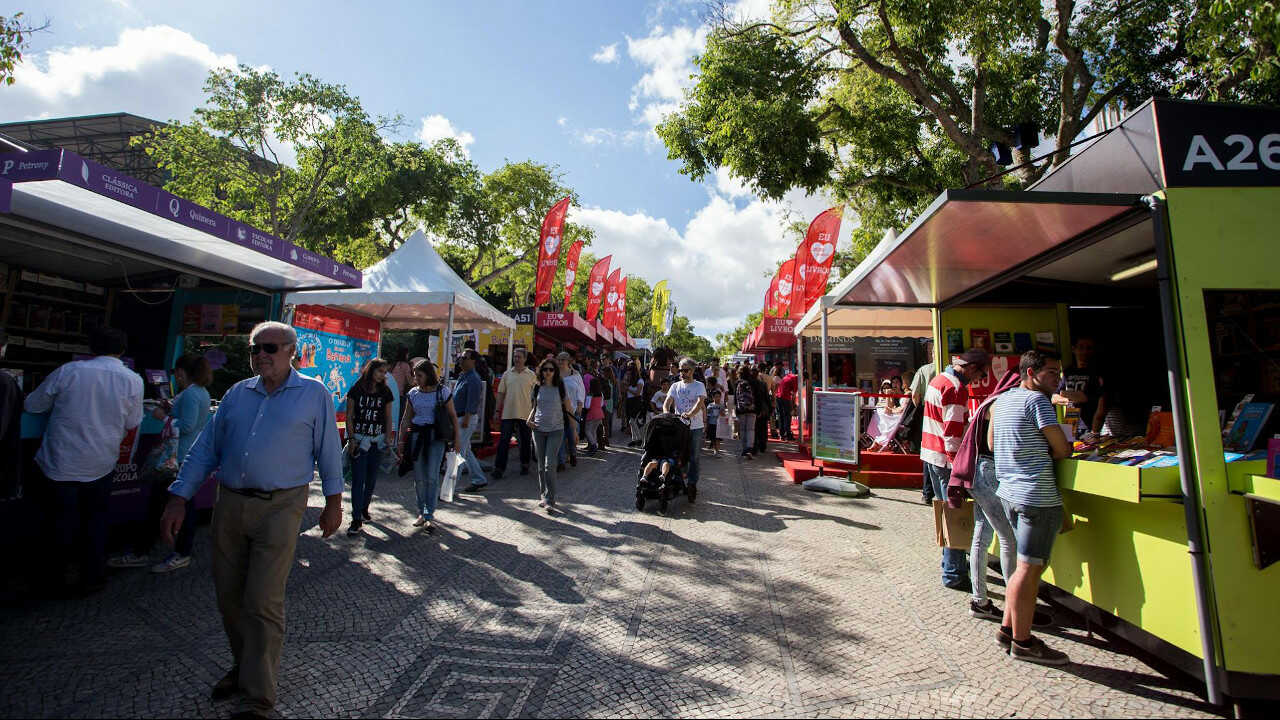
665, 458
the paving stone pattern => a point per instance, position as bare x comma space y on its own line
760, 600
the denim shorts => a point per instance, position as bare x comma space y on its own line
1035, 529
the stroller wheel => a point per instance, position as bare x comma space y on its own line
640, 501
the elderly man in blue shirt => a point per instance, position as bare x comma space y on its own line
264, 444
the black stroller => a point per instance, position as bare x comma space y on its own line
666, 438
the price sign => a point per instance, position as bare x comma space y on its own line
836, 426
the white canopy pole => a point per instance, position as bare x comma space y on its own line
825, 384
447, 345
511, 348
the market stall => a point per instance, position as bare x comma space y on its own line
564, 330
414, 289
82, 245
1165, 263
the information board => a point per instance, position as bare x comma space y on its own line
333, 346
836, 426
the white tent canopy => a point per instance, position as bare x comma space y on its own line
412, 289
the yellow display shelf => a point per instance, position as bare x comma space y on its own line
1120, 482
1246, 478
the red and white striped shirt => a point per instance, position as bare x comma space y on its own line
946, 409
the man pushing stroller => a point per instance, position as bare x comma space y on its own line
688, 397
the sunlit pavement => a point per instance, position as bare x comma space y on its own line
760, 599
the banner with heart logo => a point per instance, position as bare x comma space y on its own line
571, 271
620, 321
770, 308
611, 298
786, 286
595, 288
813, 261
549, 251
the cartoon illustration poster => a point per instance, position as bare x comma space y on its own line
333, 346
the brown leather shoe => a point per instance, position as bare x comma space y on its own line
228, 686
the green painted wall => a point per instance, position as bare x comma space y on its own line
1224, 239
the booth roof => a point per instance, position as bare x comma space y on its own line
84, 204
564, 325
773, 334
6, 195
604, 335
866, 321
968, 239
411, 289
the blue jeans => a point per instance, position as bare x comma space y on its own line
955, 564
426, 477
546, 450
468, 454
365, 465
517, 427
569, 446
695, 454
989, 519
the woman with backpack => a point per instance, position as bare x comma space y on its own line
550, 406
429, 424
744, 399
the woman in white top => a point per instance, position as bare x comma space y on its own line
418, 436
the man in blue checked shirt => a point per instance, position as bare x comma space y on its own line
264, 444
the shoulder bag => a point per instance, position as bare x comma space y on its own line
443, 422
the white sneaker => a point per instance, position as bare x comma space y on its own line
172, 562
128, 560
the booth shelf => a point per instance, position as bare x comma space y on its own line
60, 301
59, 333
1120, 482
1247, 478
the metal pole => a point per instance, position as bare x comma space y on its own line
511, 348
800, 403
446, 345
825, 386
1182, 438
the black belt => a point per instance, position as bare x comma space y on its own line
250, 492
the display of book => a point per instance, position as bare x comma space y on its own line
1248, 426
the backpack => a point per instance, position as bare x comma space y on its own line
744, 398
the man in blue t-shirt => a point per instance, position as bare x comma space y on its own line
1026, 438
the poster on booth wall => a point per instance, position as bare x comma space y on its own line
333, 346
129, 494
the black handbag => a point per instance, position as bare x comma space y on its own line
444, 429
410, 453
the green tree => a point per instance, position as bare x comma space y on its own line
731, 342
229, 156
15, 38
885, 103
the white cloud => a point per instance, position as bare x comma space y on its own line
562, 121
156, 72
667, 57
715, 266
606, 54
438, 127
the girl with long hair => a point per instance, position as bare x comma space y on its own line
551, 404
426, 403
369, 434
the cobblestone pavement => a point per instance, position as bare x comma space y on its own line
760, 600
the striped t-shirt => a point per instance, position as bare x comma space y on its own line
1024, 465
945, 410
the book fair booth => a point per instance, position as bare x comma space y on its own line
1152, 248
82, 245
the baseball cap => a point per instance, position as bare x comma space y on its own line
975, 356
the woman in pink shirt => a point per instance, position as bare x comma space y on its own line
595, 413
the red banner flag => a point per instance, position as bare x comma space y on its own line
770, 298
611, 299
813, 260
549, 251
571, 271
786, 287
620, 321
595, 290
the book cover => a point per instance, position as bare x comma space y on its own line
1022, 342
955, 340
1004, 343
1273, 457
980, 338
1046, 341
1159, 461
1248, 426
1235, 413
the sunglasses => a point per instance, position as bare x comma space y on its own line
268, 348
548, 369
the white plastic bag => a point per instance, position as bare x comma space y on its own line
452, 461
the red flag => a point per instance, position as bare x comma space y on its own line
770, 298
549, 251
611, 299
571, 271
620, 321
813, 260
595, 291
786, 288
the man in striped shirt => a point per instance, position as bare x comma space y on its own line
945, 416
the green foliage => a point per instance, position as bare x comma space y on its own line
228, 157
15, 37
884, 104
731, 342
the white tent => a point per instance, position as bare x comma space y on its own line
413, 289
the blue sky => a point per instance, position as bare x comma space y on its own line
576, 84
